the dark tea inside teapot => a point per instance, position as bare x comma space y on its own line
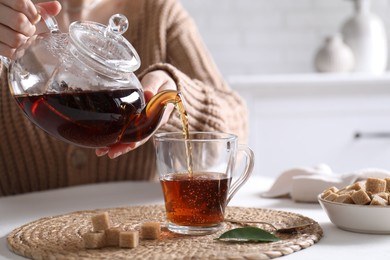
96, 118
80, 86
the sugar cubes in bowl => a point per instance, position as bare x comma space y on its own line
362, 207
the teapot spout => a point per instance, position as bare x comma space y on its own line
146, 123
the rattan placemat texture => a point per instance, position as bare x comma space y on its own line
59, 237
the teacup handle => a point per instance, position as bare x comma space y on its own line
250, 161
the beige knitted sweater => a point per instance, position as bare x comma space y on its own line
165, 38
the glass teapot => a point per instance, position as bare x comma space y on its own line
80, 86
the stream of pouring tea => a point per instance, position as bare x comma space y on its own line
184, 120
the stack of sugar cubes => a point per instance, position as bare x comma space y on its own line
103, 235
373, 191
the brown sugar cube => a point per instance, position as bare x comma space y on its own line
326, 193
128, 239
377, 200
93, 240
356, 186
331, 197
332, 189
383, 195
150, 230
112, 236
100, 222
361, 197
387, 180
346, 192
375, 185
350, 192
345, 198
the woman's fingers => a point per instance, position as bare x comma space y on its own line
12, 41
15, 25
156, 81
17, 22
101, 151
115, 150
52, 8
119, 149
26, 7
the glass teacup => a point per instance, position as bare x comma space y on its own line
196, 178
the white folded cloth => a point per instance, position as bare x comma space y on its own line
303, 184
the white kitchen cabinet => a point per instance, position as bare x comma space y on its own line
304, 120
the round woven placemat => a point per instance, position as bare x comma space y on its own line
59, 237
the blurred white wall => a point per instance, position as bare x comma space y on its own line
270, 36
297, 118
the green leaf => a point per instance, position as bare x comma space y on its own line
248, 234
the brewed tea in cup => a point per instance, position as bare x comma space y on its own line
196, 178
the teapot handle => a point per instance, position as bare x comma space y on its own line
49, 20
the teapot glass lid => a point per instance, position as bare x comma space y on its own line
100, 45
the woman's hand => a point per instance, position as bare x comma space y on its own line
153, 82
18, 20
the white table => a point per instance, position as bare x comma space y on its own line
336, 244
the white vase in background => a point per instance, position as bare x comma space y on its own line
365, 33
334, 56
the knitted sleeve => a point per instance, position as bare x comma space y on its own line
210, 103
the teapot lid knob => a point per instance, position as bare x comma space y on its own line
118, 24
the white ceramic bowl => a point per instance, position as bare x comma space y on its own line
358, 218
